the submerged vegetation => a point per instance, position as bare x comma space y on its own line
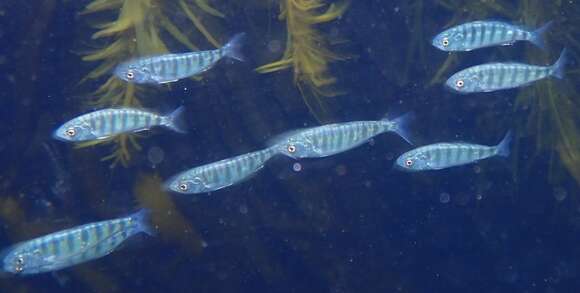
307, 50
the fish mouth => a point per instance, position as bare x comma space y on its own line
398, 167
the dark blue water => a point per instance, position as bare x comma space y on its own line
345, 223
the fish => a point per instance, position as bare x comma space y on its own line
168, 68
73, 246
106, 123
330, 139
498, 76
218, 175
444, 155
481, 34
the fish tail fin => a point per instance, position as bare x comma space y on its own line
503, 147
234, 47
537, 37
400, 125
143, 219
560, 65
175, 120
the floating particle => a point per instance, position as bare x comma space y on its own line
479, 196
560, 193
340, 170
444, 197
155, 155
476, 169
243, 209
297, 167
274, 46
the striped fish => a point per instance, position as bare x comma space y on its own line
498, 76
72, 246
444, 155
103, 124
173, 67
330, 139
219, 174
480, 34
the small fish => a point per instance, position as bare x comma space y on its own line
480, 34
330, 139
173, 67
444, 155
73, 246
498, 76
103, 124
221, 174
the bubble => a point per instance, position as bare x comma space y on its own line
479, 196
444, 197
476, 169
560, 193
243, 209
297, 167
274, 46
155, 155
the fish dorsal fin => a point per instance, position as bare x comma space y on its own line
279, 138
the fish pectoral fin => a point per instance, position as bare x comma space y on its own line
163, 81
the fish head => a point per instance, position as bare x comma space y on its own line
74, 131
299, 147
187, 185
132, 73
465, 81
17, 261
449, 40
412, 161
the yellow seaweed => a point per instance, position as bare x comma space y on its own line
307, 49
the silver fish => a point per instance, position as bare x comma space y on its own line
444, 155
330, 139
72, 246
498, 76
103, 124
173, 67
218, 175
480, 34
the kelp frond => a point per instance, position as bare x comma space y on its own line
306, 48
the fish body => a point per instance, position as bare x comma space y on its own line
72, 246
444, 155
173, 67
106, 123
330, 139
481, 34
218, 175
498, 76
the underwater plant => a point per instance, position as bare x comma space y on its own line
307, 51
136, 31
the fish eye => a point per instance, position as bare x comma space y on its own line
70, 132
291, 148
408, 162
19, 266
445, 42
183, 186
459, 83
130, 74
